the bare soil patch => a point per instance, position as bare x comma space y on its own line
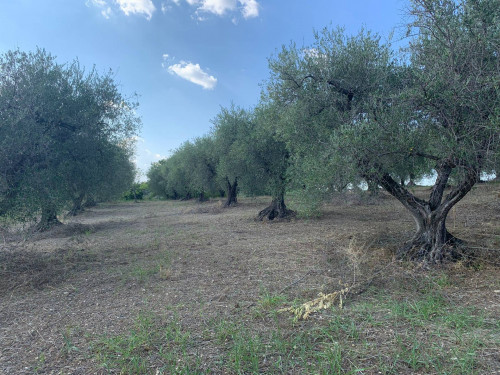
198, 263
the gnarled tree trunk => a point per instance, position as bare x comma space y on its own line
276, 210
231, 192
48, 220
432, 241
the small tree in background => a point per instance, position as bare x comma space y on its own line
157, 178
203, 166
270, 160
231, 132
178, 181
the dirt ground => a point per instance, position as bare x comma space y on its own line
94, 275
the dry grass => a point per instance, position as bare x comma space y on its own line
182, 287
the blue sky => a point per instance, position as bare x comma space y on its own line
185, 58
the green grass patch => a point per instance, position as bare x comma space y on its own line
384, 333
269, 301
151, 346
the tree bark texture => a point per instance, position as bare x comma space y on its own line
231, 193
276, 210
432, 242
48, 220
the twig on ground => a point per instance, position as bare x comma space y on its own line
325, 301
296, 281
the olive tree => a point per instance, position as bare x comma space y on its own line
456, 104
441, 111
157, 178
189, 172
448, 116
178, 177
57, 121
202, 164
315, 90
231, 132
269, 161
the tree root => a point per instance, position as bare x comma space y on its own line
275, 211
46, 225
418, 249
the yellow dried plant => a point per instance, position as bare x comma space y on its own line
324, 301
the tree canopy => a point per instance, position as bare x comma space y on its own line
358, 111
348, 109
64, 133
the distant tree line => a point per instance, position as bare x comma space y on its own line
348, 110
65, 137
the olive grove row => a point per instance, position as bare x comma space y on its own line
348, 109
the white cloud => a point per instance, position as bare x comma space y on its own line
106, 13
145, 7
165, 57
193, 73
218, 7
96, 3
250, 8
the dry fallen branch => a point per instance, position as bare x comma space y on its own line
324, 301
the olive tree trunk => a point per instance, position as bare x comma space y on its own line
202, 197
432, 242
276, 210
48, 220
231, 193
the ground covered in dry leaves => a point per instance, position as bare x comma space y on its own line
165, 287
